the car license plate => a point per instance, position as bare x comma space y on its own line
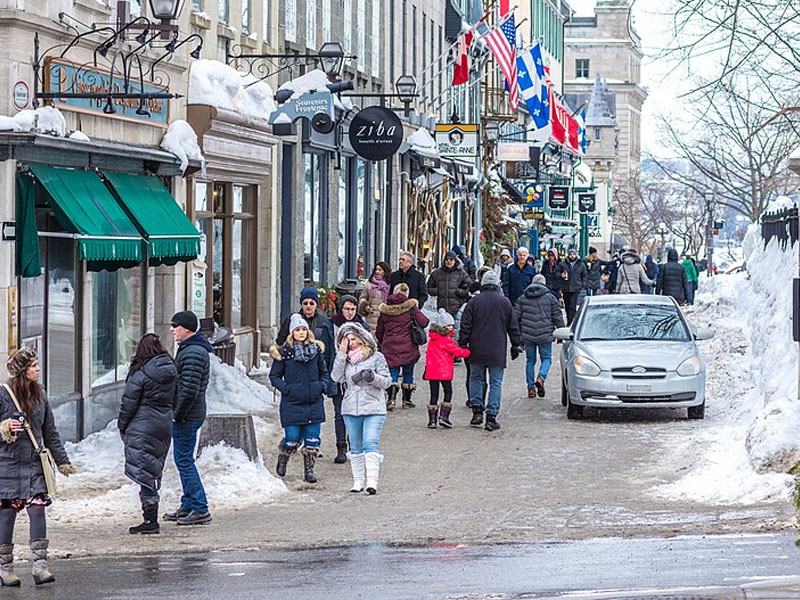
638, 387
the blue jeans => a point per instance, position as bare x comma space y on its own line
408, 373
546, 356
476, 381
364, 432
648, 289
184, 440
307, 433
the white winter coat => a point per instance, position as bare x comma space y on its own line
361, 398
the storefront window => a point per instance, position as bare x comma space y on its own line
312, 266
342, 219
362, 214
116, 323
60, 361
218, 272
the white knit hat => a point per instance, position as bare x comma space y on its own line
444, 318
295, 322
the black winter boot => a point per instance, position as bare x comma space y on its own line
477, 417
444, 416
391, 396
309, 458
491, 423
150, 518
408, 389
433, 413
341, 454
283, 459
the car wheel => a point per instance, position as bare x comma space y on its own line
564, 393
574, 411
697, 412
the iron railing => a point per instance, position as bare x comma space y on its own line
782, 225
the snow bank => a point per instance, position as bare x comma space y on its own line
750, 441
181, 140
780, 203
100, 489
44, 120
216, 84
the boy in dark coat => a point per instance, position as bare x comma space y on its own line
485, 324
300, 374
537, 314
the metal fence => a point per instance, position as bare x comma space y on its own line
781, 225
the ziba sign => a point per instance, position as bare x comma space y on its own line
376, 133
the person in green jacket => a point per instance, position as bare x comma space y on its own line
691, 276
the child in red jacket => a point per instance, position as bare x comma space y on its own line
442, 350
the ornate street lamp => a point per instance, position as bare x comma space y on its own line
331, 58
405, 87
166, 10
492, 131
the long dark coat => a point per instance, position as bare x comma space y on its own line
145, 420
21, 476
486, 322
537, 314
301, 384
394, 330
672, 280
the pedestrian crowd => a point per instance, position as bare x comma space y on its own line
363, 358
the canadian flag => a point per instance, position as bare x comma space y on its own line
461, 66
564, 127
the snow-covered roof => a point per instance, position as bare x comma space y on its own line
45, 120
181, 140
422, 143
216, 84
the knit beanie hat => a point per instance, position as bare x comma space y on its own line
347, 298
21, 360
309, 292
539, 278
186, 319
490, 278
295, 322
444, 318
450, 254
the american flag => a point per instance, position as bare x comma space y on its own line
503, 43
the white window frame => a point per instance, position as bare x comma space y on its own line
267, 20
376, 37
290, 22
247, 21
311, 23
362, 34
326, 21
348, 26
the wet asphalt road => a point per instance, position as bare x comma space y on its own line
713, 567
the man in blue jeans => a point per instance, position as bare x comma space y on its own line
485, 324
537, 314
189, 412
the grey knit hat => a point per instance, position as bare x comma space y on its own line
21, 360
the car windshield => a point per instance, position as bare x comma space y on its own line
633, 322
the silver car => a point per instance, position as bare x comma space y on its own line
632, 351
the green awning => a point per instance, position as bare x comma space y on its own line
169, 232
84, 206
28, 260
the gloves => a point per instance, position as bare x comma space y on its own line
67, 469
368, 375
515, 352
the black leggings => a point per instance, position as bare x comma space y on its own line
447, 386
338, 419
8, 516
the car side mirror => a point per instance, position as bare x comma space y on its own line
704, 333
563, 333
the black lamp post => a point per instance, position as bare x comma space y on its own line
405, 87
331, 58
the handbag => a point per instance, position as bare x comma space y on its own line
418, 335
48, 463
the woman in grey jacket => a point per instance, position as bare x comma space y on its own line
631, 278
364, 375
22, 481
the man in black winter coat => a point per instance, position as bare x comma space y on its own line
573, 275
450, 284
194, 367
672, 279
409, 275
486, 322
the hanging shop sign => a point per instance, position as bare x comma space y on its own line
534, 194
456, 140
61, 75
522, 170
532, 213
593, 226
558, 198
376, 133
21, 95
587, 203
513, 151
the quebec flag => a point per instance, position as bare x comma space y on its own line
533, 86
583, 140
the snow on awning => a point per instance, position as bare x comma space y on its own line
181, 140
422, 143
216, 84
316, 80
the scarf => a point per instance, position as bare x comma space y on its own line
305, 352
355, 356
382, 286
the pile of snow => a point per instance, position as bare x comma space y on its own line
314, 81
422, 143
79, 136
42, 120
753, 414
181, 140
100, 489
216, 84
780, 203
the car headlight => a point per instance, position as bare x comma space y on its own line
586, 366
691, 366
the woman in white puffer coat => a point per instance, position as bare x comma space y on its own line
364, 376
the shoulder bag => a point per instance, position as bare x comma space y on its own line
418, 335
48, 464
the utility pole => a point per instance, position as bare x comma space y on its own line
709, 197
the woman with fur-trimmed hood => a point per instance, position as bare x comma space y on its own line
394, 335
299, 373
364, 375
